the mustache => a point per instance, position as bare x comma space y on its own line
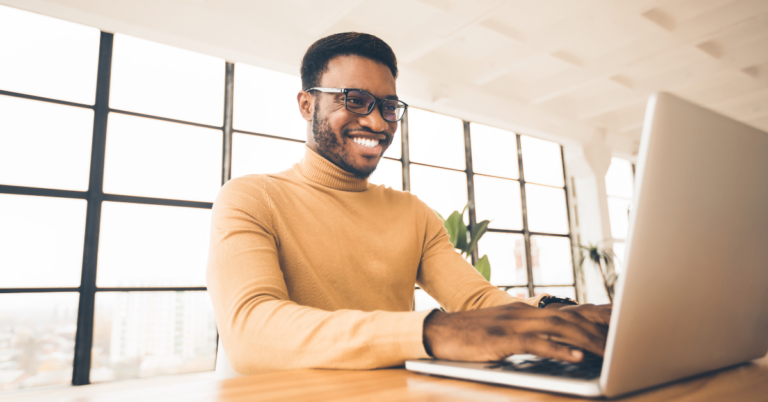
366, 130
347, 133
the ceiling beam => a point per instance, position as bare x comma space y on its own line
748, 106
447, 28
696, 72
597, 16
694, 31
334, 15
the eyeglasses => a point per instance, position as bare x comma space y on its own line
362, 102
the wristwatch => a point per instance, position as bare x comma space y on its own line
556, 299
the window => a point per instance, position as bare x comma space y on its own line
105, 197
109, 166
619, 182
517, 183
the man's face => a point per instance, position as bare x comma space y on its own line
344, 137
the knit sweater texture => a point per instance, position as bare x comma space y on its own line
314, 268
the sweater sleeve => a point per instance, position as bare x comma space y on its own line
261, 328
446, 276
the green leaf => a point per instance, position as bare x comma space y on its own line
464, 209
452, 226
461, 235
477, 233
483, 266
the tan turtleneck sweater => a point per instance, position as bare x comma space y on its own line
312, 267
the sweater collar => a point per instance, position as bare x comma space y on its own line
322, 171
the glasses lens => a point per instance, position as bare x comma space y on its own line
392, 110
360, 102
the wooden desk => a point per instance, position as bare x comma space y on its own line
743, 383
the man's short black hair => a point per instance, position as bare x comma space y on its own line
318, 55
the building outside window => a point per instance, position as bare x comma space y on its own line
112, 150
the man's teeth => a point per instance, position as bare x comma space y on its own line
366, 142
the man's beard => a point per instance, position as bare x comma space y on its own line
329, 147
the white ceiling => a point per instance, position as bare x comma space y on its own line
566, 70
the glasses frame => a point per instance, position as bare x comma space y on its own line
377, 101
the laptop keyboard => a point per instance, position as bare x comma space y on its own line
587, 369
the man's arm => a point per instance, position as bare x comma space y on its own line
451, 280
485, 323
261, 328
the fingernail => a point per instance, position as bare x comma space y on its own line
576, 353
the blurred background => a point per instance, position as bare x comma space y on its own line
120, 120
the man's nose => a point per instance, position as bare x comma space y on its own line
374, 121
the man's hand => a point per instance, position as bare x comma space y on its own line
600, 314
495, 333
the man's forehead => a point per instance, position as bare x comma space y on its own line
360, 73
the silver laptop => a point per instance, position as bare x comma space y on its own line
694, 293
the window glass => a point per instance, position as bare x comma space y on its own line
546, 209
44, 144
423, 301
436, 139
520, 293
618, 211
41, 241
551, 260
542, 161
48, 57
154, 158
395, 149
252, 154
506, 253
161, 80
37, 339
619, 178
152, 246
499, 201
494, 151
146, 334
388, 173
266, 103
443, 190
562, 291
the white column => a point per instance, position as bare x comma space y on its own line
586, 167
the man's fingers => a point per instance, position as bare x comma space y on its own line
564, 330
535, 345
598, 314
590, 326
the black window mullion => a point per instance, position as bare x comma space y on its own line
405, 152
42, 192
229, 96
576, 283
470, 185
526, 231
84, 335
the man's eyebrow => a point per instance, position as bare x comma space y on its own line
392, 97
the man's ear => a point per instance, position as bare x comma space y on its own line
306, 105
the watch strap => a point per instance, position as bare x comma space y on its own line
556, 299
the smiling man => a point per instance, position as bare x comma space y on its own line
315, 267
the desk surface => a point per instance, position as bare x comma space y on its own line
747, 382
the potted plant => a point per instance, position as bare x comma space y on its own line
603, 259
457, 231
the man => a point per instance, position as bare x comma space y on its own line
315, 267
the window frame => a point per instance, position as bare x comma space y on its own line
95, 196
